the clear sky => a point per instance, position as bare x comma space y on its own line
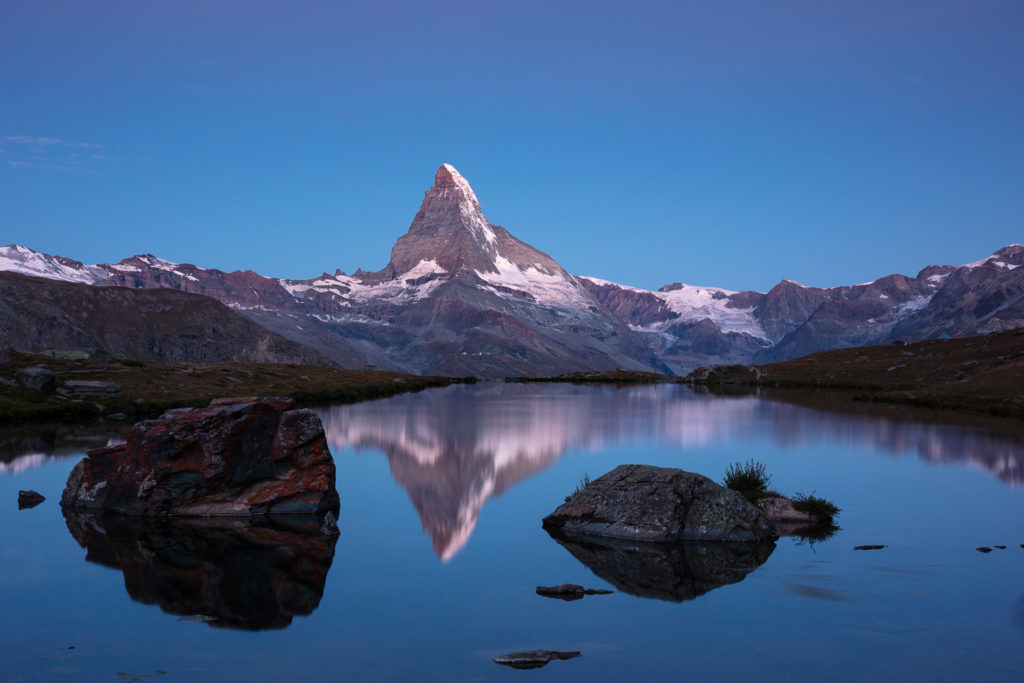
718, 143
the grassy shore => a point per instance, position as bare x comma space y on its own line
980, 374
149, 388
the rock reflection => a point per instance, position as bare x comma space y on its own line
667, 571
229, 573
452, 449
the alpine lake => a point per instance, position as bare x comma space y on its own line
441, 550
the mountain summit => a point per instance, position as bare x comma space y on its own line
462, 296
450, 234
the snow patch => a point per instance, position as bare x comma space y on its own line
19, 259
547, 288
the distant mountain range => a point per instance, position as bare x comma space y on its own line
462, 296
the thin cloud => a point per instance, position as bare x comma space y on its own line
33, 151
28, 140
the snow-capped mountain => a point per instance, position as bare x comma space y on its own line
461, 296
690, 325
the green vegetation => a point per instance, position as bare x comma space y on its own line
977, 374
821, 509
749, 478
150, 387
584, 483
752, 479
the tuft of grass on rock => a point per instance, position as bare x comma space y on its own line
823, 510
584, 483
749, 478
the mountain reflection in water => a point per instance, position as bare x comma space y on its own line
228, 572
452, 449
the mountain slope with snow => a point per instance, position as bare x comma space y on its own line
462, 296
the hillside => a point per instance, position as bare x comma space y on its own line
39, 314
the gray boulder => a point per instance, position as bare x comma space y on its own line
37, 378
658, 504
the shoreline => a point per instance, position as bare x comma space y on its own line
149, 388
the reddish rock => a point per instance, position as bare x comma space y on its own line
236, 457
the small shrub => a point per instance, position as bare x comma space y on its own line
747, 478
584, 483
823, 510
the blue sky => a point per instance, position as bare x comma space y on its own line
718, 143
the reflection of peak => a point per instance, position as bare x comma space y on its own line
455, 448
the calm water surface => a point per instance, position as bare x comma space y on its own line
441, 548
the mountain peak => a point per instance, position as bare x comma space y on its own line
449, 179
449, 229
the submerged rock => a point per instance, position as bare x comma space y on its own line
532, 659
237, 457
667, 571
659, 504
29, 499
227, 572
569, 591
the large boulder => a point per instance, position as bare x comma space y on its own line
37, 379
646, 503
237, 457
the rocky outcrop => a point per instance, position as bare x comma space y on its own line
237, 457
674, 572
780, 510
37, 379
658, 504
228, 573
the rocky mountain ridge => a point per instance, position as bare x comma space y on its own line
461, 296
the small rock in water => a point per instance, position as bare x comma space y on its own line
532, 659
868, 547
984, 549
29, 499
1001, 547
570, 591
